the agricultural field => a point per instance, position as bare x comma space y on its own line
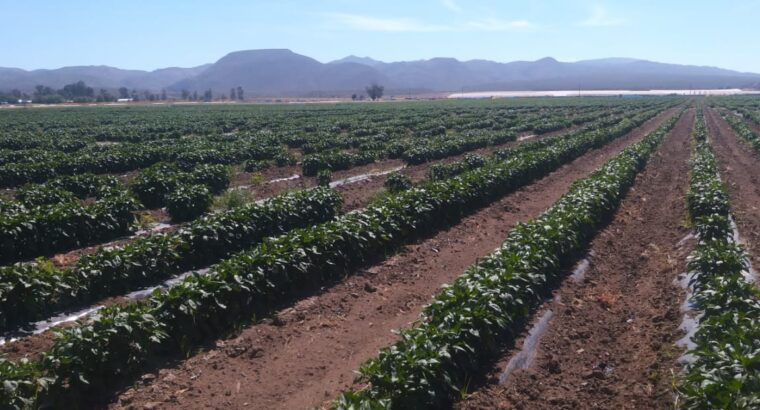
530, 253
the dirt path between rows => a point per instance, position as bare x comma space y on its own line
310, 352
355, 195
755, 127
740, 171
359, 194
610, 343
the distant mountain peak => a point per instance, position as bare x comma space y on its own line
547, 60
611, 61
357, 60
282, 72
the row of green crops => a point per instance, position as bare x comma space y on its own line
50, 218
725, 371
186, 195
42, 304
468, 321
335, 161
128, 157
450, 145
73, 127
35, 148
154, 183
68, 189
429, 144
120, 340
41, 230
32, 291
469, 162
473, 161
743, 131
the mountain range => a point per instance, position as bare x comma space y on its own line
281, 72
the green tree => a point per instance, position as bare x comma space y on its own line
104, 96
240, 93
77, 90
123, 92
375, 91
233, 94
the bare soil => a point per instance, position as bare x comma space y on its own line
611, 341
306, 354
355, 195
755, 127
359, 194
740, 171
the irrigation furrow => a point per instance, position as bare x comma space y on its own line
330, 334
740, 168
611, 341
439, 356
85, 296
721, 369
165, 319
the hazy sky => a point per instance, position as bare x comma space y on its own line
158, 33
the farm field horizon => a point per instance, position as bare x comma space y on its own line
568, 252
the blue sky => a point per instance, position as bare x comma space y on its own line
143, 34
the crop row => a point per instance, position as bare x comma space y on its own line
472, 161
122, 339
434, 143
128, 157
743, 131
32, 302
32, 291
49, 218
725, 371
186, 195
68, 189
30, 232
48, 128
468, 321
48, 144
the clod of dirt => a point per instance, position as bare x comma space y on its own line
369, 288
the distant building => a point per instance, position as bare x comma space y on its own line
124, 100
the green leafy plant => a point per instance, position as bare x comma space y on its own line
461, 329
725, 371
254, 281
187, 202
397, 182
324, 177
233, 198
257, 179
31, 290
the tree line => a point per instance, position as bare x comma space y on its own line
76, 92
82, 93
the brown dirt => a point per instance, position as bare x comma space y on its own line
356, 195
359, 194
740, 171
308, 353
70, 258
611, 341
755, 127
